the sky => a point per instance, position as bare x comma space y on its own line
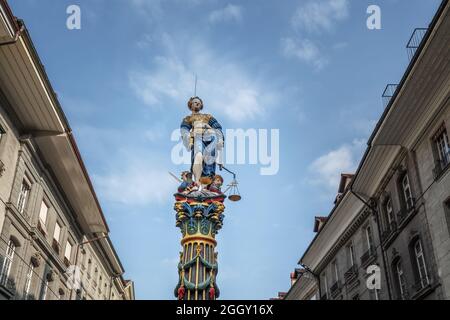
311, 69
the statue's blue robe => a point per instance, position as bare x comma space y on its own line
208, 143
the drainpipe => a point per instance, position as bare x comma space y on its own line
375, 212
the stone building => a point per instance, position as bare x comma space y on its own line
54, 241
393, 215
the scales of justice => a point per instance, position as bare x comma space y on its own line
199, 204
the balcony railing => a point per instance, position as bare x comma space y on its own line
66, 262
8, 283
368, 256
421, 284
415, 41
388, 93
56, 246
404, 295
403, 214
335, 289
441, 165
390, 229
351, 274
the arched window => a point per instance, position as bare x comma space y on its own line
421, 266
389, 212
8, 262
401, 281
407, 194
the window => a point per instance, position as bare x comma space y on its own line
23, 196
29, 280
325, 285
89, 268
44, 289
369, 238
351, 255
335, 272
406, 188
95, 276
400, 280
389, 212
421, 265
442, 147
57, 232
68, 252
43, 214
7, 263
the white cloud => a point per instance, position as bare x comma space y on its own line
326, 170
224, 84
229, 13
134, 172
304, 50
137, 182
320, 15
152, 8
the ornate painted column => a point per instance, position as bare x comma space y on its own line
199, 218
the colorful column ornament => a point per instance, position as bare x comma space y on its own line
199, 218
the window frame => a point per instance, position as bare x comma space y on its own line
420, 256
335, 272
440, 143
45, 290
409, 201
8, 262
69, 258
22, 199
401, 280
57, 225
369, 238
29, 279
389, 210
325, 284
351, 254
44, 222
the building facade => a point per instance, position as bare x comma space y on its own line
388, 235
54, 242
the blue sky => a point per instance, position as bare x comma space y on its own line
309, 68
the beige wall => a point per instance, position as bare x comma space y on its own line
436, 193
9, 148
